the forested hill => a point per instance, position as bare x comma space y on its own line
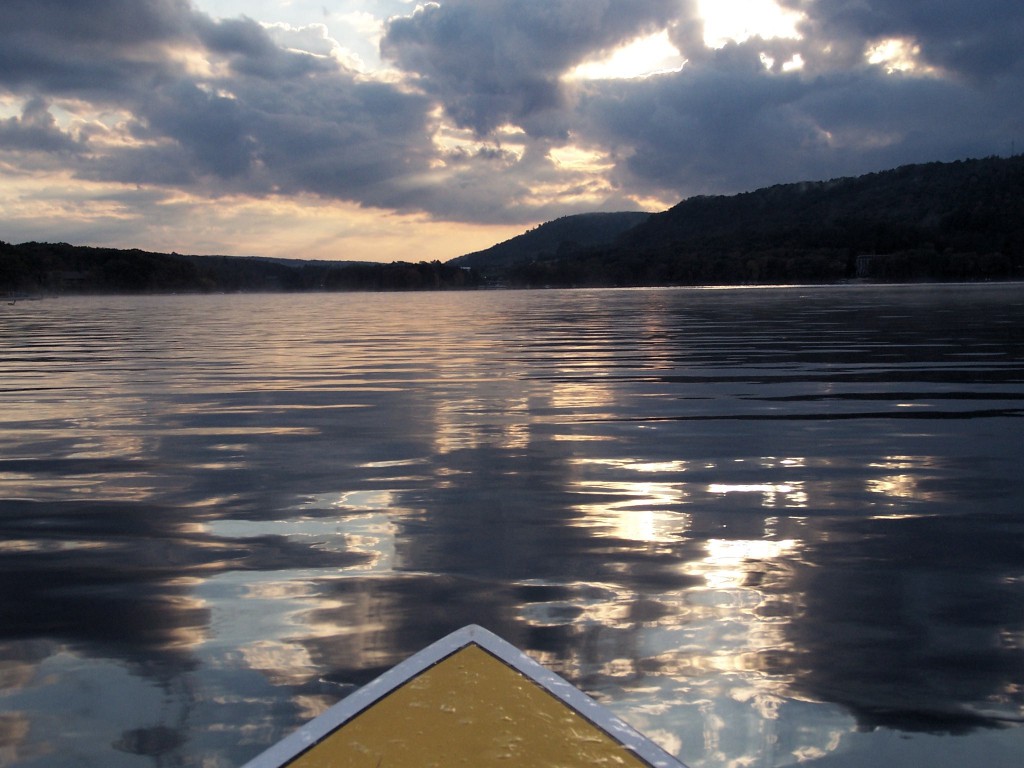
560, 237
59, 268
937, 221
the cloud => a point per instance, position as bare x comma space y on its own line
313, 39
975, 40
94, 47
227, 107
214, 103
252, 51
471, 122
496, 61
35, 131
768, 111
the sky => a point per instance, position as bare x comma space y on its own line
388, 130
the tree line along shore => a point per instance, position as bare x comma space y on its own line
960, 221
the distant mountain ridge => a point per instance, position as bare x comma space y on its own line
914, 197
33, 269
559, 237
936, 221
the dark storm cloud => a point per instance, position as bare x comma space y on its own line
252, 52
270, 120
974, 39
337, 138
35, 131
89, 47
227, 106
99, 22
729, 122
495, 61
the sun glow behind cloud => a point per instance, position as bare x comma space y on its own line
898, 55
367, 112
300, 226
574, 158
739, 20
643, 57
724, 21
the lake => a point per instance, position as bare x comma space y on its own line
764, 526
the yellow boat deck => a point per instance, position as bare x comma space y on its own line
470, 699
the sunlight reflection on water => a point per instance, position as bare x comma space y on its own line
762, 526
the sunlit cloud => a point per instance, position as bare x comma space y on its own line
898, 55
72, 210
448, 123
794, 64
590, 191
575, 158
646, 56
455, 145
738, 20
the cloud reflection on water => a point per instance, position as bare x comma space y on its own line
746, 590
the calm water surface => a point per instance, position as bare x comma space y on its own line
763, 526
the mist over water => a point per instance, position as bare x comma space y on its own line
762, 525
